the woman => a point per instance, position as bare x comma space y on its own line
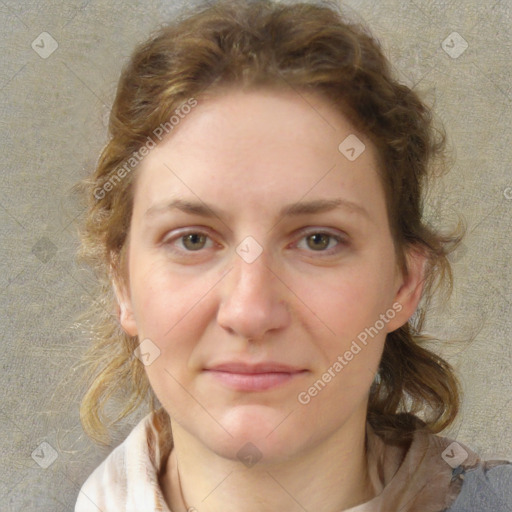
256, 221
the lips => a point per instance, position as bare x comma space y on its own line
245, 377
264, 367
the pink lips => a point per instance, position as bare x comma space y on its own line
254, 377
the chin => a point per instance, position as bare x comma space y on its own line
256, 432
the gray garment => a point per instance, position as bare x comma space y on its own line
485, 490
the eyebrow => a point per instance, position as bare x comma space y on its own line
292, 210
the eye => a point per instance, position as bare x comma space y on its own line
316, 241
194, 241
190, 241
319, 241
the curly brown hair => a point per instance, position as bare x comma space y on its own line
306, 47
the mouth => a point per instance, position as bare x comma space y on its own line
242, 377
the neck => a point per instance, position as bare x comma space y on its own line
330, 477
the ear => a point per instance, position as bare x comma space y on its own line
409, 287
125, 310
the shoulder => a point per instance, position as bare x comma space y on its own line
485, 488
128, 478
437, 473
110, 474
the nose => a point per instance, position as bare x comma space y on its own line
254, 299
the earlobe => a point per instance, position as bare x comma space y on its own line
410, 288
125, 310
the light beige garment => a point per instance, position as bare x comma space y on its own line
414, 479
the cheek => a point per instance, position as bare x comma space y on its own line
169, 311
344, 302
169, 306
343, 315
160, 299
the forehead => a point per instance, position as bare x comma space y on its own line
258, 149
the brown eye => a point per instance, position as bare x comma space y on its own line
323, 242
319, 241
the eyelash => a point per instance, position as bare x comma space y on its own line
328, 252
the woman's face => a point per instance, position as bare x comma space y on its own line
262, 268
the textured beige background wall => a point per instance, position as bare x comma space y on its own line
53, 108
